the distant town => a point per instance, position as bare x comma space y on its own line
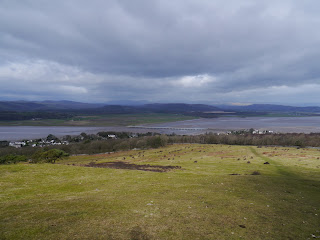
52, 140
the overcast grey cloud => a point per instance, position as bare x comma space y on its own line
159, 50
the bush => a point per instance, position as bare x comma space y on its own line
50, 156
12, 158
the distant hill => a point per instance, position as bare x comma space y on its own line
271, 108
90, 108
179, 107
26, 106
127, 103
138, 107
70, 104
20, 106
160, 108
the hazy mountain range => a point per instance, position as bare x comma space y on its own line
143, 106
271, 108
30, 106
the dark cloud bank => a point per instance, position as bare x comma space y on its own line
162, 51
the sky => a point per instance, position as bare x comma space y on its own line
193, 51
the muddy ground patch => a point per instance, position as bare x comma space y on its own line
132, 166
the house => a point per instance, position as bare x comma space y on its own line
17, 144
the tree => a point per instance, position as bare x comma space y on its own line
52, 137
157, 141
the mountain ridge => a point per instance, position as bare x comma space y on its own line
64, 105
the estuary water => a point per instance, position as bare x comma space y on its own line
30, 132
276, 124
188, 127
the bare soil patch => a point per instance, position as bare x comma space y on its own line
132, 166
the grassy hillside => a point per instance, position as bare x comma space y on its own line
213, 196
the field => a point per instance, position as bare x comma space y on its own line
209, 192
103, 120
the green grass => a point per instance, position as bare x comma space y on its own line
200, 201
103, 120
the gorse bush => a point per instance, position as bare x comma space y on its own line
50, 156
12, 158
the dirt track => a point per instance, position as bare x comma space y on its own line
131, 166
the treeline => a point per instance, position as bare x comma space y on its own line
87, 146
287, 139
91, 147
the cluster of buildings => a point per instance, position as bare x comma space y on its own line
52, 140
262, 132
37, 143
251, 131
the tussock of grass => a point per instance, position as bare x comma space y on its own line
201, 201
